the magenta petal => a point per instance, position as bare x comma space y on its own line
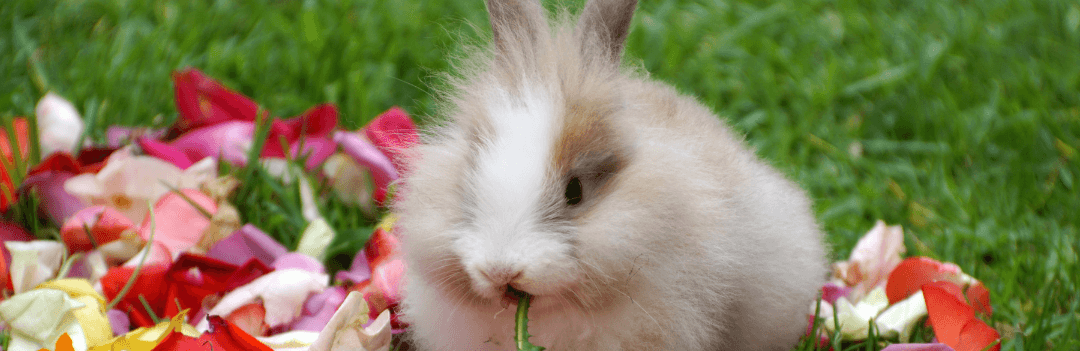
230, 140
319, 308
57, 203
317, 150
299, 261
358, 272
246, 243
366, 154
165, 152
831, 291
918, 347
119, 321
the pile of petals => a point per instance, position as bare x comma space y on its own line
878, 293
153, 256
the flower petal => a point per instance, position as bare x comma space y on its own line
283, 293
228, 140
366, 154
359, 270
247, 243
392, 132
57, 203
33, 262
59, 124
43, 315
250, 318
316, 238
165, 152
948, 314
203, 101
877, 253
900, 319
910, 275
296, 260
976, 336
918, 347
318, 309
345, 330
148, 285
179, 225
105, 224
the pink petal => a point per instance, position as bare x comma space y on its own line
367, 155
119, 321
874, 257
228, 140
165, 152
316, 150
294, 260
319, 308
318, 121
247, 243
359, 271
179, 226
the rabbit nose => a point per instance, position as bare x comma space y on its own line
500, 275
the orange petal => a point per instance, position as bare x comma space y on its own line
979, 297
976, 336
911, 274
63, 343
948, 314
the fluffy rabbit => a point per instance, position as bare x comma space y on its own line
632, 214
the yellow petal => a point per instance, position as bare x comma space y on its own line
146, 338
91, 317
41, 315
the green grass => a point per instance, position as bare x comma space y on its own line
959, 120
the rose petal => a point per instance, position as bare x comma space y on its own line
283, 293
831, 291
366, 154
296, 260
33, 262
203, 101
105, 223
119, 322
344, 331
228, 140
59, 124
392, 132
57, 203
8, 194
912, 273
148, 285
358, 270
247, 243
42, 316
90, 317
227, 336
318, 309
118, 136
976, 336
979, 297
250, 319
948, 314
179, 225
165, 152
900, 319
315, 239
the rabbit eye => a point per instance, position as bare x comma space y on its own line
573, 191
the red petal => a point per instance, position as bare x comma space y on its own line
250, 318
318, 121
8, 191
979, 297
229, 337
203, 101
57, 161
105, 223
392, 132
948, 314
911, 274
976, 336
150, 284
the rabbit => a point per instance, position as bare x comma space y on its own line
634, 217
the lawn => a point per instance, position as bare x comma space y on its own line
959, 120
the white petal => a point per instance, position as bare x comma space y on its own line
59, 124
42, 315
345, 330
33, 262
297, 340
900, 319
283, 293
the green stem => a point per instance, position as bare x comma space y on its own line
521, 322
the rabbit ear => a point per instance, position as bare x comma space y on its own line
516, 24
605, 23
